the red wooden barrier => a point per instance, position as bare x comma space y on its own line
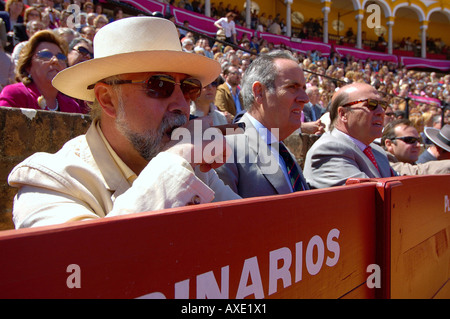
419, 237
315, 244
413, 221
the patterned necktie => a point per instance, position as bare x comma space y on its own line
292, 169
369, 154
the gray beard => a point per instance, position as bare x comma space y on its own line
149, 143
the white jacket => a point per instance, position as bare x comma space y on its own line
82, 181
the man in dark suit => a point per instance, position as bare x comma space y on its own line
347, 150
228, 97
273, 90
312, 110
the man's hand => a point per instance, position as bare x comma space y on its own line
316, 127
200, 144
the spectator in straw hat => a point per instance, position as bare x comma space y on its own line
440, 149
402, 144
127, 162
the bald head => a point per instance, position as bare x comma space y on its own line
357, 120
347, 94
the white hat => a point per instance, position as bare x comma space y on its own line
440, 137
134, 45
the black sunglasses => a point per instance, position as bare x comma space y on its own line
47, 56
371, 104
162, 86
408, 139
84, 51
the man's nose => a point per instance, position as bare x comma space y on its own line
302, 97
179, 101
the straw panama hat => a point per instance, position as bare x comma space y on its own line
439, 137
134, 45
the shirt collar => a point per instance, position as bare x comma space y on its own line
126, 171
263, 132
358, 143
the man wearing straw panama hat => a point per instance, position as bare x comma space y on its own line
140, 83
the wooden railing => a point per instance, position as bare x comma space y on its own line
384, 238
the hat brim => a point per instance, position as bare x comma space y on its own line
433, 134
75, 80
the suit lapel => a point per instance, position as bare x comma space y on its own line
369, 168
230, 100
266, 162
382, 161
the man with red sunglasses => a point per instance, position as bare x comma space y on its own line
139, 85
347, 150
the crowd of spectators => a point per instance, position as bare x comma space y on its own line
311, 28
21, 19
328, 73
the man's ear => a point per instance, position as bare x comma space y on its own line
106, 98
342, 114
258, 92
388, 144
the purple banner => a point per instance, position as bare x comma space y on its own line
425, 99
147, 5
412, 62
364, 54
203, 24
300, 46
197, 22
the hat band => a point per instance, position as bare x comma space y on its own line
443, 139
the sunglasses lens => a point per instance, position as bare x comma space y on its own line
47, 56
160, 86
191, 88
61, 57
372, 104
409, 139
84, 51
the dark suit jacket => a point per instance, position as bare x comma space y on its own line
252, 170
312, 112
425, 157
224, 100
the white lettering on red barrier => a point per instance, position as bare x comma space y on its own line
446, 204
251, 283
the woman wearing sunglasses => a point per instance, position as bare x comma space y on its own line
42, 58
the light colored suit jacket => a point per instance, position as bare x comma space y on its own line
428, 168
252, 170
82, 181
334, 158
224, 100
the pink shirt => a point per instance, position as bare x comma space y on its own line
26, 96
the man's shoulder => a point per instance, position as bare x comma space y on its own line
328, 140
223, 87
55, 165
307, 106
